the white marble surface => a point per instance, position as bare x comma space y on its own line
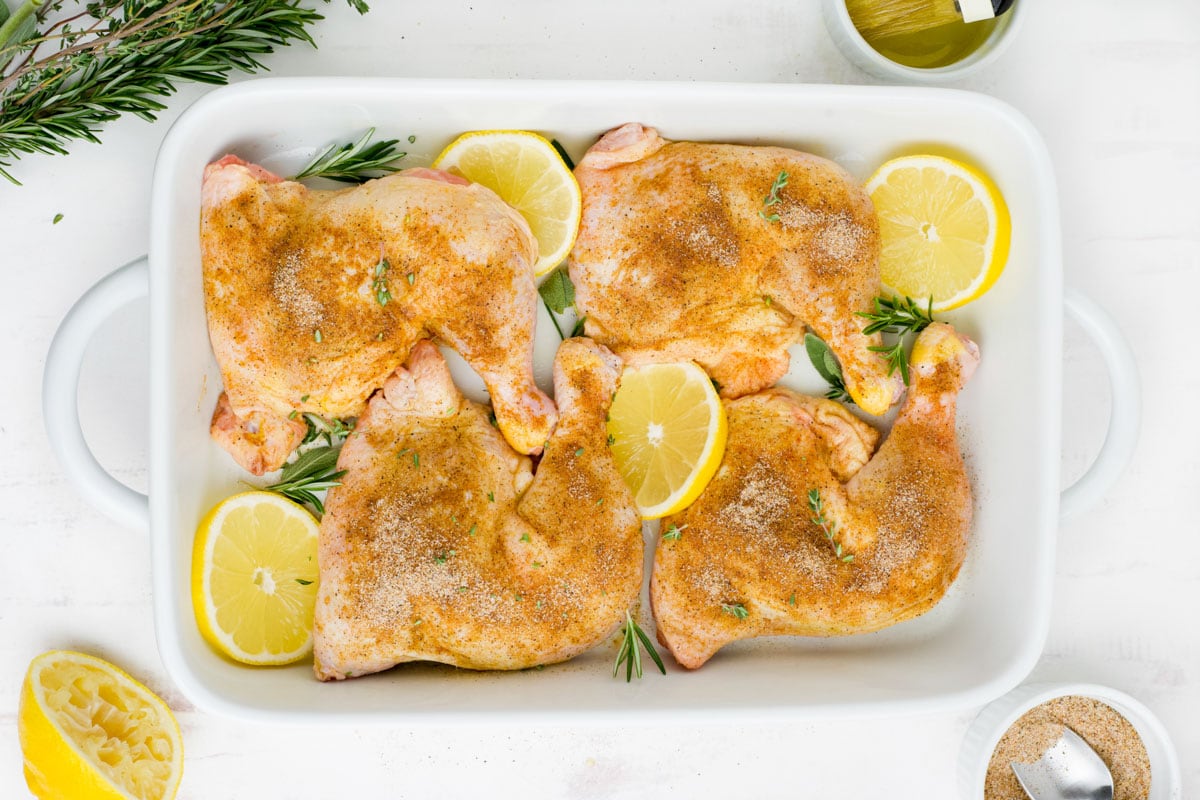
1114, 89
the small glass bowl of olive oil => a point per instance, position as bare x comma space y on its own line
947, 52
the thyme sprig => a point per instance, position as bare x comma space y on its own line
736, 610
355, 162
331, 430
897, 317
62, 80
379, 283
827, 526
313, 471
772, 198
630, 654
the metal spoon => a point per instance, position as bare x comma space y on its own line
1069, 770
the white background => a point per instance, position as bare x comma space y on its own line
1115, 90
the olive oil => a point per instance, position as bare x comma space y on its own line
935, 47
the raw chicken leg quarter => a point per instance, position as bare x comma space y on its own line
722, 254
315, 297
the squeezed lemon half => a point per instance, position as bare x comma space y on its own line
89, 730
254, 578
944, 228
528, 174
667, 426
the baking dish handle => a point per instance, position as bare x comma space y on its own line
60, 394
1126, 416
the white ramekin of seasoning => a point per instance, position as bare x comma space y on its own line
996, 718
856, 48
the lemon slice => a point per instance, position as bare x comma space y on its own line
944, 228
254, 578
667, 428
87, 729
528, 174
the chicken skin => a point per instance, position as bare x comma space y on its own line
751, 559
680, 257
315, 297
441, 546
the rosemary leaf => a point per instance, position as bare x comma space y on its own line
354, 162
102, 59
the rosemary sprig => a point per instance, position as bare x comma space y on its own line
354, 162
828, 527
65, 79
630, 654
313, 471
772, 198
827, 366
331, 430
897, 317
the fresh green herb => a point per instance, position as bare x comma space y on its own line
537, 565
579, 452
538, 604
411, 278
333, 431
379, 284
471, 532
444, 556
579, 326
600, 502
735, 610
781, 180
304, 398
827, 366
412, 138
673, 533
317, 336
492, 419
630, 654
354, 162
57, 219
767, 299
519, 597
828, 527
293, 414
716, 385
792, 600
524, 537
416, 623
611, 440
313, 471
562, 153
491, 497
62, 80
303, 582
416, 460
897, 317
558, 294
462, 589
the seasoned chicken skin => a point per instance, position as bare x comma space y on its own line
674, 260
315, 297
441, 546
751, 561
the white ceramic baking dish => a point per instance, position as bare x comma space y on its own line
977, 644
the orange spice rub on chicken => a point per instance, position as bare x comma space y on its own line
315, 297
755, 558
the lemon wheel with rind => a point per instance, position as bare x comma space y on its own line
254, 578
527, 172
667, 428
944, 227
89, 731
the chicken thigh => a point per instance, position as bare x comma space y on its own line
315, 297
679, 256
441, 546
886, 538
